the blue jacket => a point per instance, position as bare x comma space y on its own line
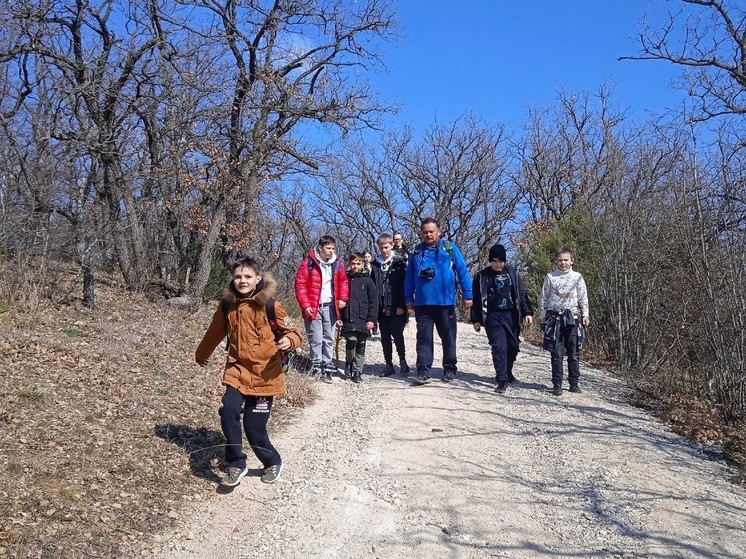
441, 289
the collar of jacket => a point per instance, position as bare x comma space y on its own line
265, 290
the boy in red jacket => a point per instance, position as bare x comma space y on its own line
322, 291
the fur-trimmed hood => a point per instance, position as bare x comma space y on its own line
253, 365
265, 290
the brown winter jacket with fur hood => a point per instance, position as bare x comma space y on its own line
253, 366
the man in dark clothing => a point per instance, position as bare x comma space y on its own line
389, 271
400, 249
502, 302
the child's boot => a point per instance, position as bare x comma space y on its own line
387, 371
404, 369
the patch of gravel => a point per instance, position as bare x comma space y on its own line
389, 470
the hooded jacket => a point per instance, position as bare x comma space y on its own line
363, 304
254, 365
308, 283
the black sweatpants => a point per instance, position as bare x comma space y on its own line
256, 411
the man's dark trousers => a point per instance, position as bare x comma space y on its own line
444, 320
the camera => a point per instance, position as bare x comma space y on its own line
427, 273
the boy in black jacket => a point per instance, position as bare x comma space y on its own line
358, 317
501, 301
389, 271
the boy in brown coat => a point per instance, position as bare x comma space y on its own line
253, 373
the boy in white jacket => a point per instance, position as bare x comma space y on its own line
564, 305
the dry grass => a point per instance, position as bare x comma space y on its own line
107, 426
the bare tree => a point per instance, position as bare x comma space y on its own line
564, 153
456, 173
292, 64
708, 39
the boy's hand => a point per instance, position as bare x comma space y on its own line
284, 344
586, 321
400, 311
477, 326
369, 325
410, 307
339, 324
528, 319
468, 303
342, 304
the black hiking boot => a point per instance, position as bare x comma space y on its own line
404, 369
557, 390
387, 371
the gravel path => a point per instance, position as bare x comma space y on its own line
388, 470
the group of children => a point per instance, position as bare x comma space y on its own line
367, 296
369, 293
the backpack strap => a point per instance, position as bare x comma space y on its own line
449, 249
269, 308
225, 306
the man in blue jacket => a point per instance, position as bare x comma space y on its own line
430, 290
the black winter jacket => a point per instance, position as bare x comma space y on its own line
362, 306
391, 285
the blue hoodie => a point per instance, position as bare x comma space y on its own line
441, 290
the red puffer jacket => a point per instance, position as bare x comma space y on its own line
308, 284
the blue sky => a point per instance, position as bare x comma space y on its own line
497, 58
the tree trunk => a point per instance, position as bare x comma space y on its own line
89, 295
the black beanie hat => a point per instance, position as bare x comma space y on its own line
497, 252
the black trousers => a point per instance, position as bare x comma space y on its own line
392, 328
443, 318
569, 347
256, 411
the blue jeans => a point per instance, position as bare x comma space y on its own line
444, 320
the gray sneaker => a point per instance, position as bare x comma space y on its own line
233, 476
448, 376
272, 474
421, 379
327, 377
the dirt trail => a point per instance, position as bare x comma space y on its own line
389, 470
